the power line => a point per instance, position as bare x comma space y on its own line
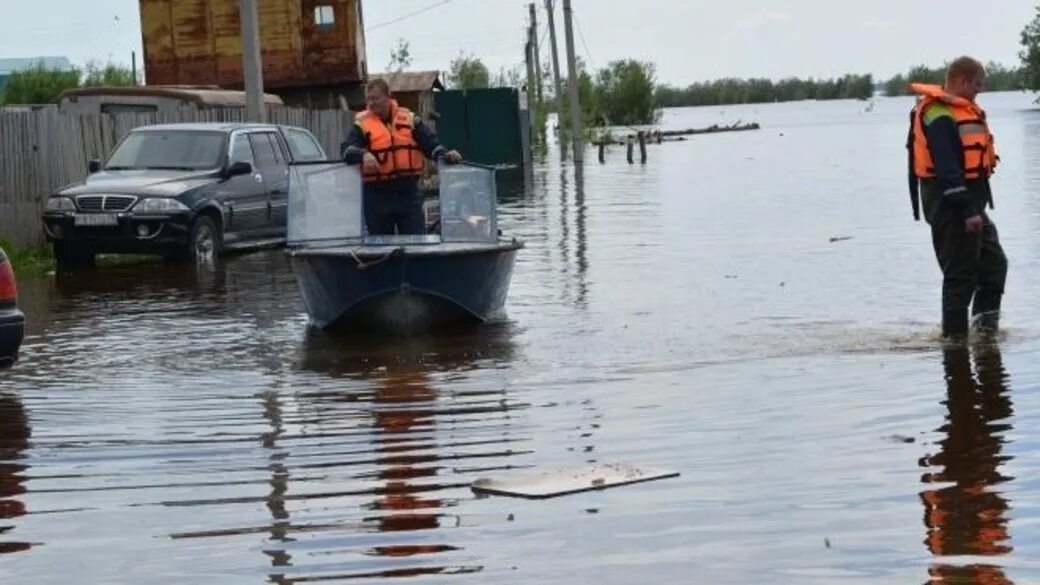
409, 15
581, 35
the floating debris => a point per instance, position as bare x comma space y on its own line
549, 484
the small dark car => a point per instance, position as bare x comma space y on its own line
186, 191
12, 321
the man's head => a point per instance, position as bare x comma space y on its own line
964, 78
377, 97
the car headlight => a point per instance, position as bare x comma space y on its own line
159, 205
61, 204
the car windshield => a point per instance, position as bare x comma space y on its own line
168, 149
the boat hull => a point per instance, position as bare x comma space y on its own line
405, 289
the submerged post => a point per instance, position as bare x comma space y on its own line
642, 147
602, 151
631, 150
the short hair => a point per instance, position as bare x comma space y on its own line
378, 83
965, 68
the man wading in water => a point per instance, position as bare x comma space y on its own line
952, 156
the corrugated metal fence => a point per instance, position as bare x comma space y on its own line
44, 150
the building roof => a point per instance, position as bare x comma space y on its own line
21, 64
410, 81
200, 96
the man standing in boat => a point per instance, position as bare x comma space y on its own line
389, 142
952, 156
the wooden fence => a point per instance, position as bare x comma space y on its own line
42, 151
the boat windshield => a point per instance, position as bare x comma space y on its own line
326, 205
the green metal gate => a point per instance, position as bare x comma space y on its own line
483, 124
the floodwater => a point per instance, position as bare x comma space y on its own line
172, 425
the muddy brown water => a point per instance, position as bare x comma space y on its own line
171, 425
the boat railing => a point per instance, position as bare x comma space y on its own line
326, 206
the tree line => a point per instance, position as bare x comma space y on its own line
756, 91
40, 85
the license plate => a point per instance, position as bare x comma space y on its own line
96, 219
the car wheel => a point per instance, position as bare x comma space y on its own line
69, 257
206, 241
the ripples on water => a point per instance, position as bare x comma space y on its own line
170, 424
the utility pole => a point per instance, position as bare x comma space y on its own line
536, 54
529, 58
252, 69
557, 86
572, 66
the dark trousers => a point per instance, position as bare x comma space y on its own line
394, 211
973, 264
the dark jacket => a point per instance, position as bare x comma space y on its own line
968, 196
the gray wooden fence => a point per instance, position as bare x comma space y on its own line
44, 150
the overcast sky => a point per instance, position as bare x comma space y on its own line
688, 40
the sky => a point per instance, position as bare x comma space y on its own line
687, 40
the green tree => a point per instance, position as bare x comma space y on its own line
507, 78
1030, 53
624, 93
95, 74
468, 72
400, 56
39, 85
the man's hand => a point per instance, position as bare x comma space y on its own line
973, 224
369, 163
453, 157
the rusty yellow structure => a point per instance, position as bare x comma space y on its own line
313, 50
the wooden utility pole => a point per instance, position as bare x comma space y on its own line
252, 68
557, 86
572, 85
529, 59
535, 53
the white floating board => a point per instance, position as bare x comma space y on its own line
549, 484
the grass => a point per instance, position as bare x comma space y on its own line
38, 259
29, 261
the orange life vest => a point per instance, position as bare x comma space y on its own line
393, 145
979, 153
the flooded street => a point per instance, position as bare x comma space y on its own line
755, 310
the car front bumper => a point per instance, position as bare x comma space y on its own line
131, 234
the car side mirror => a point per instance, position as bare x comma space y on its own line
94, 166
238, 168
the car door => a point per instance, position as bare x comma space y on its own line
276, 176
245, 198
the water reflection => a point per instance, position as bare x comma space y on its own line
14, 440
418, 425
965, 511
580, 243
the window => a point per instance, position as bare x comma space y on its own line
240, 150
324, 17
265, 152
168, 149
303, 146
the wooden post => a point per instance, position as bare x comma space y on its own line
557, 86
572, 85
536, 54
602, 151
530, 82
252, 67
642, 147
631, 148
